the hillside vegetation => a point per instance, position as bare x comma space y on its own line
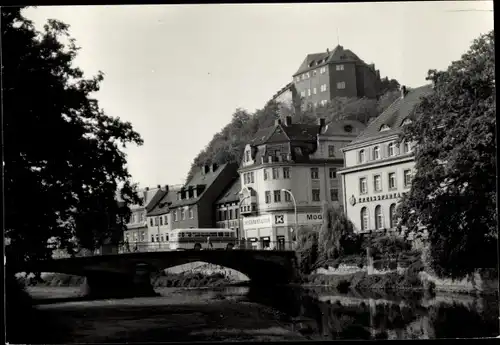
227, 145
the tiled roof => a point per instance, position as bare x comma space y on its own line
231, 194
393, 116
336, 55
162, 206
293, 132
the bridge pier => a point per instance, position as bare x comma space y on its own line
103, 285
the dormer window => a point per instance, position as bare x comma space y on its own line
391, 149
361, 156
384, 128
406, 121
348, 128
247, 156
376, 152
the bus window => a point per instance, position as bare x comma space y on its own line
220, 234
189, 234
182, 234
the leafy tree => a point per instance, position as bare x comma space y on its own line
63, 163
453, 192
335, 233
307, 250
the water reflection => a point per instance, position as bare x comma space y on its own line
326, 314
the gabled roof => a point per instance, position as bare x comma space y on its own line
393, 116
343, 127
162, 206
315, 60
292, 132
231, 194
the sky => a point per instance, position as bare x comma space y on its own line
178, 72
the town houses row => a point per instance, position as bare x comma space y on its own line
288, 171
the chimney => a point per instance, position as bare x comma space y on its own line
321, 123
288, 121
277, 122
214, 167
146, 189
166, 188
159, 186
403, 91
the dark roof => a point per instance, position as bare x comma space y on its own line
394, 115
201, 178
162, 206
338, 54
160, 193
231, 194
293, 132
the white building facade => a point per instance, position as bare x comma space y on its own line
290, 166
378, 171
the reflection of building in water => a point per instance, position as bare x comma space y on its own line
290, 161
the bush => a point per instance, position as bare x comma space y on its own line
307, 251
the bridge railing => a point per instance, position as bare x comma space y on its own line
165, 246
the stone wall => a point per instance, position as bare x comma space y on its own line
476, 283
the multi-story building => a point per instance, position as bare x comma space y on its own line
337, 73
226, 207
190, 205
286, 98
137, 228
377, 171
159, 218
291, 162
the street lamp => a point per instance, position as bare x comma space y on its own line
295, 210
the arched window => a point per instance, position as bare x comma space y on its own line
361, 156
406, 121
391, 149
392, 212
364, 219
376, 152
378, 217
384, 128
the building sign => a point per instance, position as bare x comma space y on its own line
279, 219
314, 216
381, 197
352, 200
257, 222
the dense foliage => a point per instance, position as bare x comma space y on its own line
61, 151
453, 192
307, 250
227, 146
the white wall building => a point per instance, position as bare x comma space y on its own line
377, 170
302, 159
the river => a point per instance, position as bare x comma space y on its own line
256, 314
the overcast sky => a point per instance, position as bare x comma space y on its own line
178, 72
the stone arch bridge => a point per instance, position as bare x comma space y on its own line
128, 275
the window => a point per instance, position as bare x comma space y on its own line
175, 215
341, 85
364, 219
339, 67
191, 213
183, 214
156, 221
161, 221
331, 151
314, 90
407, 177
407, 147
391, 149
302, 94
378, 217
265, 174
314, 73
157, 238
307, 75
152, 238
333, 173
392, 212
230, 214
406, 122
322, 70
151, 221
252, 177
377, 183
392, 180
323, 88
361, 156
384, 128
323, 102
309, 92
268, 197
143, 236
315, 195
288, 197
141, 217
275, 173
236, 213
314, 173
297, 79
376, 152
303, 76
286, 173
362, 185
247, 156
277, 196
334, 194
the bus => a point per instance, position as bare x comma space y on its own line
198, 239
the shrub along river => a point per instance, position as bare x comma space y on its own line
251, 313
